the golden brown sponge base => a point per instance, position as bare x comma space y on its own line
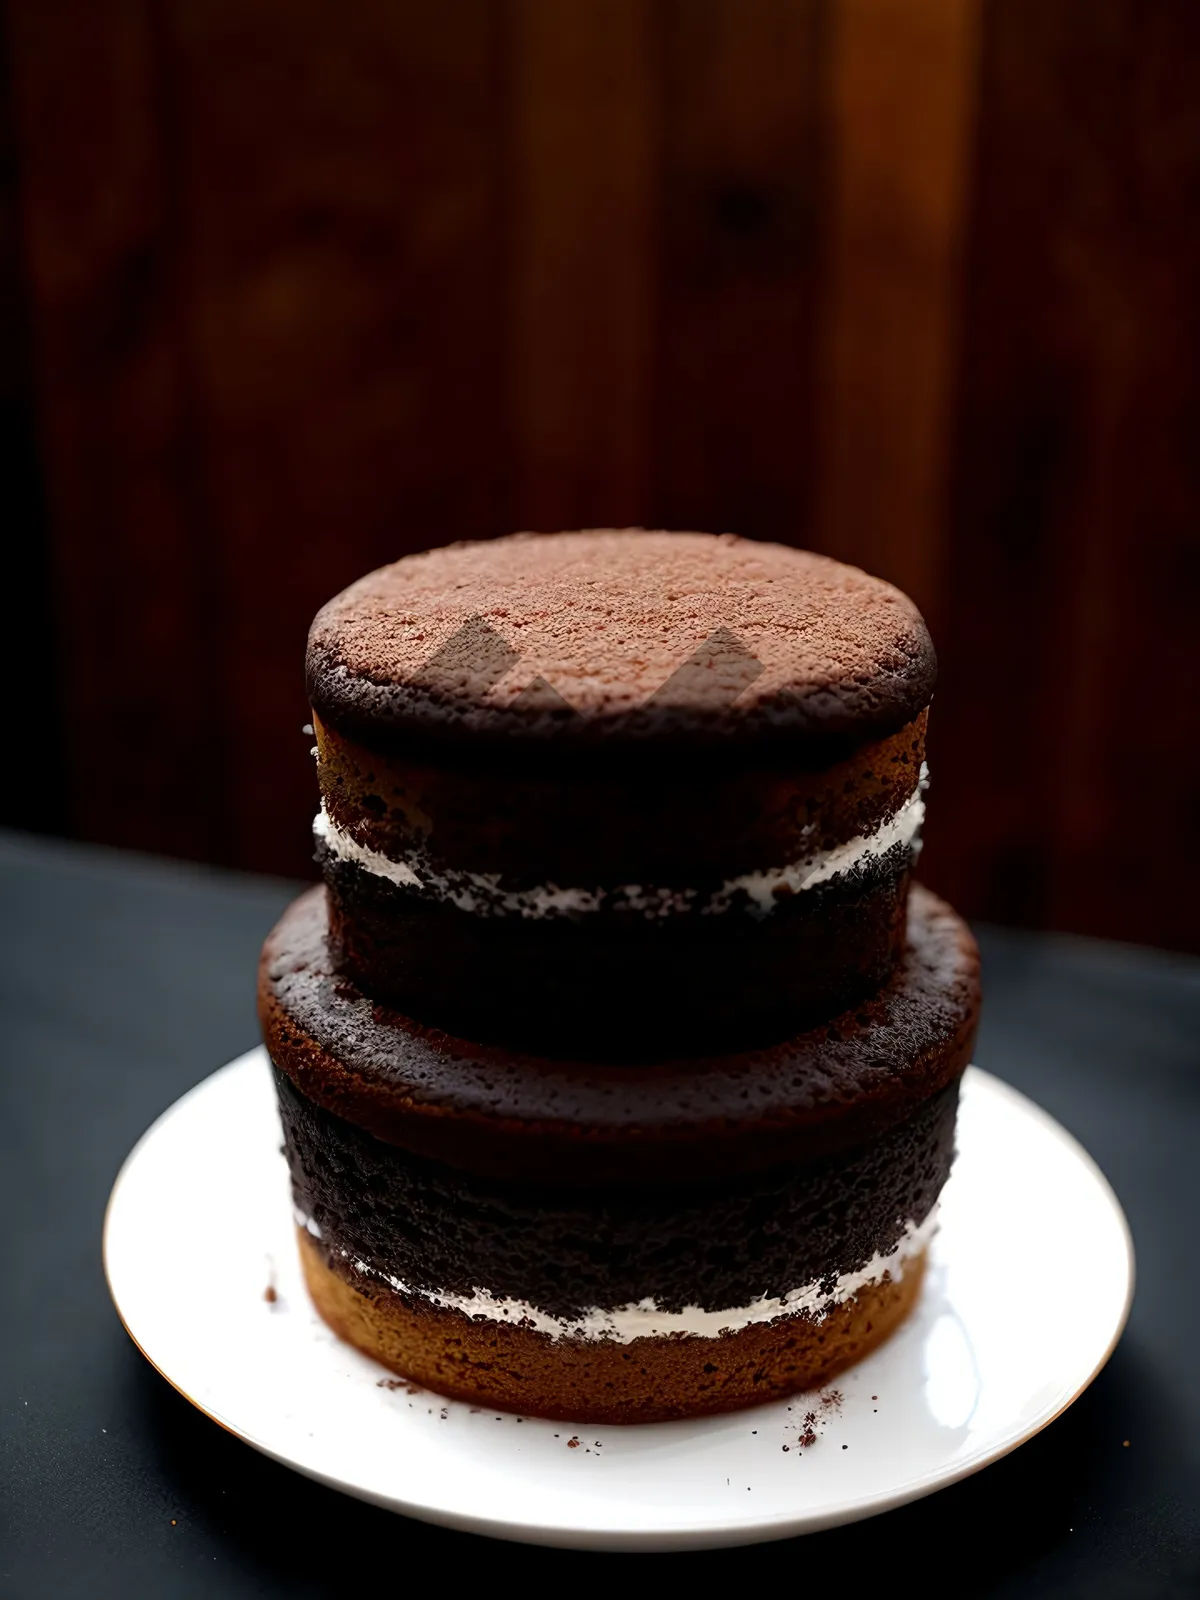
518, 1369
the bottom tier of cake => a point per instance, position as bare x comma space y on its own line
623, 1243
614, 1304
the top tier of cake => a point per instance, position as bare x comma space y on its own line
620, 639
619, 791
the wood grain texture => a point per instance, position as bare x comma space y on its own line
33, 725
581, 261
901, 101
739, 90
135, 602
1068, 726
912, 281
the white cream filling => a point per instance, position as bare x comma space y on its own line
903, 827
347, 848
482, 892
643, 1319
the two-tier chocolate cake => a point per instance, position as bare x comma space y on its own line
617, 1059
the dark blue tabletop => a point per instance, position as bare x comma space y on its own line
126, 980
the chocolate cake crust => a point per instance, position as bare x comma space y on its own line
621, 639
529, 1118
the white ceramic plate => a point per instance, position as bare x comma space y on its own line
199, 1229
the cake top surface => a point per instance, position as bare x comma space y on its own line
620, 637
487, 1108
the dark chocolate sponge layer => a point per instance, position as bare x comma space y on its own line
620, 639
644, 949
617, 983
676, 822
532, 1119
565, 1251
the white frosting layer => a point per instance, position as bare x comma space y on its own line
643, 1319
481, 892
903, 827
346, 848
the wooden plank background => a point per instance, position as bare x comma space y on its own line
293, 291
